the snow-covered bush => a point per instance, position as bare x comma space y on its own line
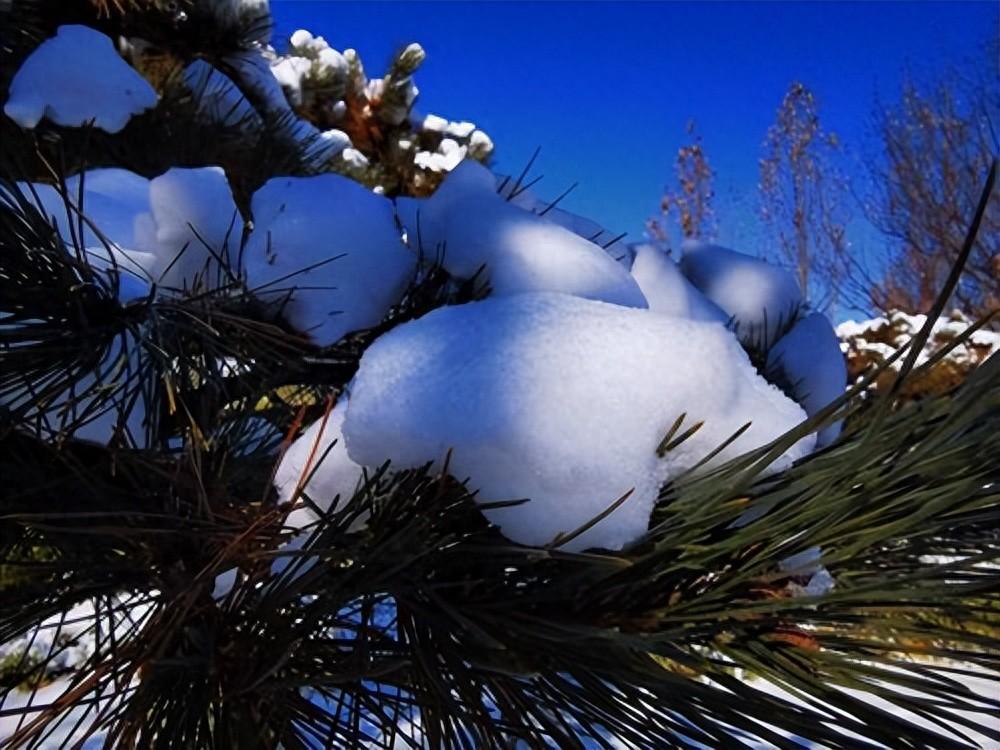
871, 343
330, 258
392, 148
323, 458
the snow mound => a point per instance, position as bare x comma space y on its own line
76, 77
808, 359
316, 465
112, 198
561, 400
525, 198
194, 223
667, 291
476, 228
327, 249
762, 299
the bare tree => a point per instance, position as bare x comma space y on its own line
802, 195
938, 141
689, 203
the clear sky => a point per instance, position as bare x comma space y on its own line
606, 88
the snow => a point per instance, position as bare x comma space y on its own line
256, 74
334, 141
194, 222
976, 679
480, 144
562, 400
316, 465
224, 583
328, 249
129, 269
70, 725
435, 124
808, 359
101, 410
475, 227
112, 198
290, 71
761, 298
76, 77
666, 289
580, 225
460, 129
354, 158
439, 162
315, 59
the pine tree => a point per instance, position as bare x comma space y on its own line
424, 626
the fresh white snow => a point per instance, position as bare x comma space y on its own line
761, 298
562, 400
808, 359
193, 223
316, 465
112, 199
589, 229
475, 228
328, 250
666, 289
76, 77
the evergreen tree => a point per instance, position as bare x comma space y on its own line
155, 592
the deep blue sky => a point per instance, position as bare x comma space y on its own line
605, 89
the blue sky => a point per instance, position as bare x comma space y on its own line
606, 88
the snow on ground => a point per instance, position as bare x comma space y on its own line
809, 361
666, 289
984, 684
761, 298
475, 228
76, 632
328, 249
76, 77
561, 400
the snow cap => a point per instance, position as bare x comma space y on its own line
76, 77
562, 400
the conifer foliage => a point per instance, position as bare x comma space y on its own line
156, 593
